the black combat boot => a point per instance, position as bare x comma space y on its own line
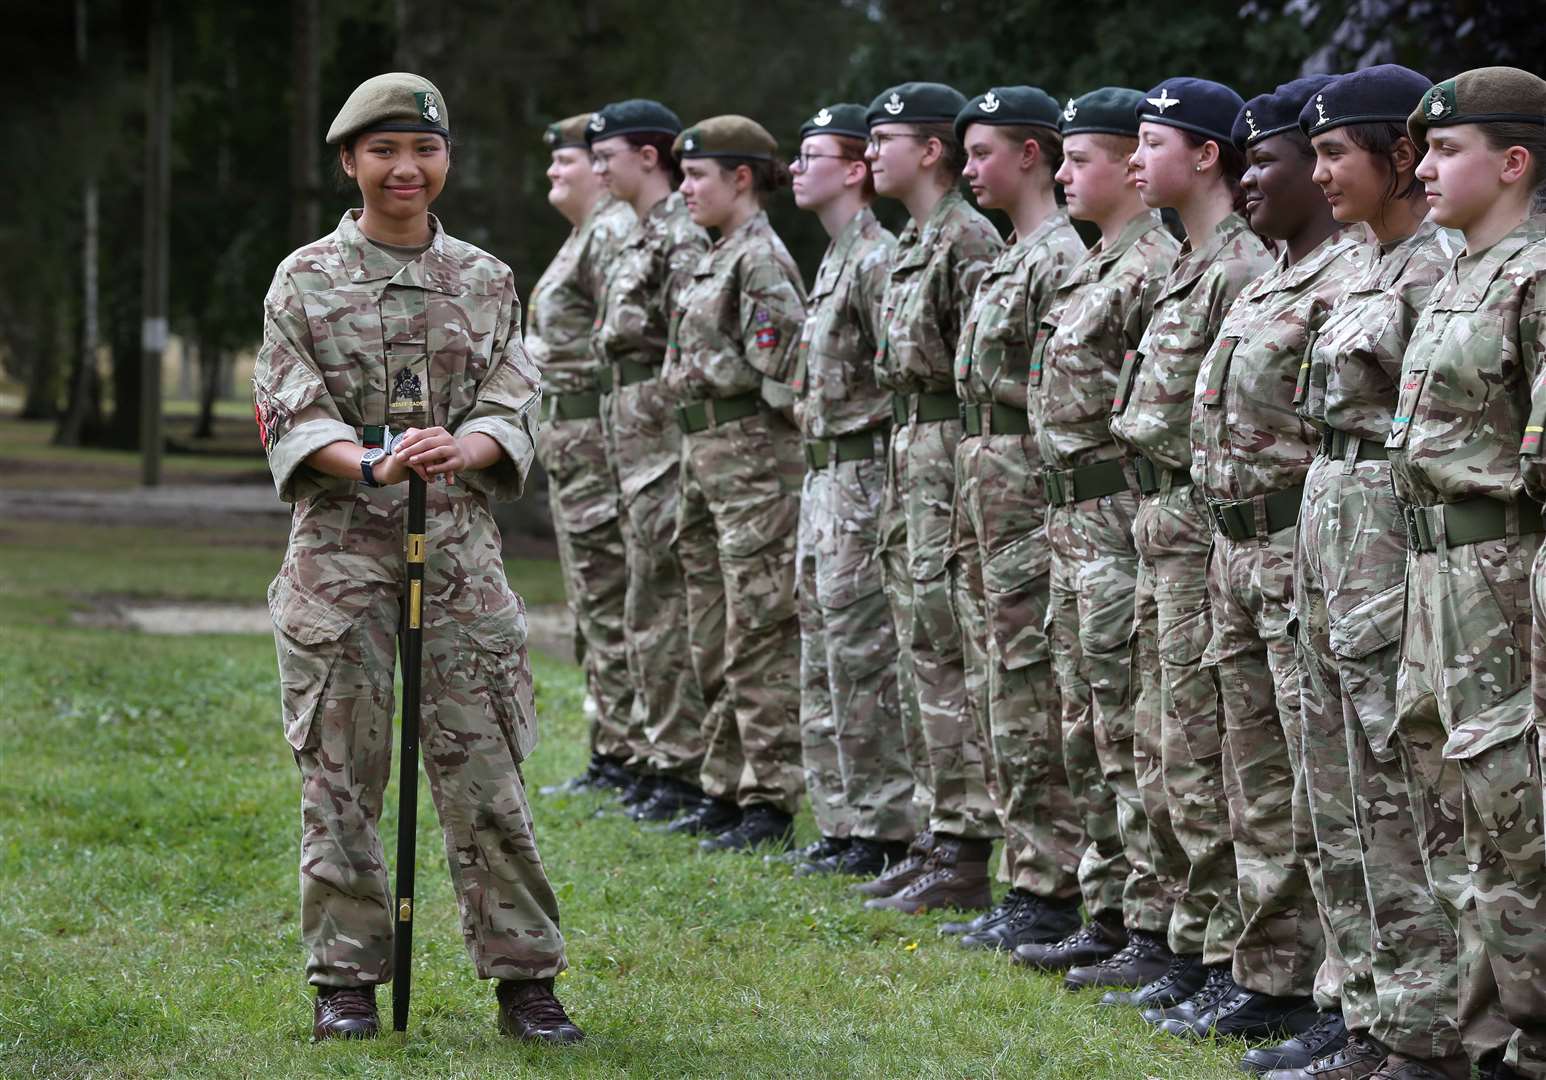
864, 858
1320, 1040
1032, 921
1183, 978
760, 825
1090, 944
824, 847
1179, 1017
1144, 959
670, 799
709, 818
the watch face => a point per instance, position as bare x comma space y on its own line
373, 455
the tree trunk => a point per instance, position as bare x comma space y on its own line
305, 118
210, 362
158, 177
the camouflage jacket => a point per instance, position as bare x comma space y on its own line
738, 320
993, 360
1246, 438
1460, 428
1151, 412
352, 337
934, 275
561, 310
1355, 364
645, 282
1097, 316
835, 372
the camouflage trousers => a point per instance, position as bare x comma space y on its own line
584, 498
1189, 839
920, 487
857, 773
1001, 579
1283, 943
668, 705
1094, 585
1465, 670
477, 723
736, 531
1399, 946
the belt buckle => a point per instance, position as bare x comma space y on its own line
1414, 539
1216, 508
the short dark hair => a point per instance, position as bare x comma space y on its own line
953, 157
1231, 164
767, 176
1050, 142
1378, 139
1500, 135
662, 144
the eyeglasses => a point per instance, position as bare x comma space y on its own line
878, 142
803, 162
603, 159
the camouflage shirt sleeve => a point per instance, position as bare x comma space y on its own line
974, 255
1532, 356
680, 262
295, 413
505, 407
870, 278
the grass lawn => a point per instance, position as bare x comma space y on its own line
148, 887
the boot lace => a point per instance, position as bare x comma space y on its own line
349, 1003
536, 1004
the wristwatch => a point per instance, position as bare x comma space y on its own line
372, 456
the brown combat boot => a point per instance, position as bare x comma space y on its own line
345, 1012
902, 874
530, 1011
955, 876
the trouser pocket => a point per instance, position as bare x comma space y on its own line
309, 637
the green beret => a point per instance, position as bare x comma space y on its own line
567, 134
916, 103
399, 101
1017, 106
727, 136
1111, 110
1480, 96
634, 116
845, 119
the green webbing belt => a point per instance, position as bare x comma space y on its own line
584, 405
930, 409
859, 446
1151, 476
1236, 518
702, 415
1068, 486
631, 371
1335, 443
1469, 521
995, 419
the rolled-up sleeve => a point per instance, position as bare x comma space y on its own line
505, 409
296, 415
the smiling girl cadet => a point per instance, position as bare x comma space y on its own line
389, 346
1465, 453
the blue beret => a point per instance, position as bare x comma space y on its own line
842, 119
629, 117
1197, 105
1107, 111
916, 103
1385, 93
1021, 106
1266, 115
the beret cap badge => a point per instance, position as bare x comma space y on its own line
597, 122
990, 103
1436, 106
1164, 101
428, 109
1250, 121
823, 118
1320, 108
895, 104
1070, 110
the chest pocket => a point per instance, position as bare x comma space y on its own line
1217, 372
1125, 379
405, 346
1039, 352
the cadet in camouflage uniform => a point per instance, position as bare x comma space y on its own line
857, 772
1464, 444
1250, 453
1001, 563
630, 144
940, 257
582, 488
1186, 160
389, 323
1349, 594
1097, 317
728, 368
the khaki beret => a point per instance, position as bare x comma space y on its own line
398, 101
1480, 96
727, 136
567, 134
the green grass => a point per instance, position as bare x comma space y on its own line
148, 922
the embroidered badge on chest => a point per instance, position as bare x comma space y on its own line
407, 393
767, 337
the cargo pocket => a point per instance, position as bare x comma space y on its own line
308, 637
1369, 627
1182, 643
1503, 783
1015, 581
934, 619
1485, 674
496, 671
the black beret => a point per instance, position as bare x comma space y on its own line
842, 119
1021, 106
915, 103
629, 117
1201, 106
1266, 115
1107, 111
1382, 93
566, 134
1480, 96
